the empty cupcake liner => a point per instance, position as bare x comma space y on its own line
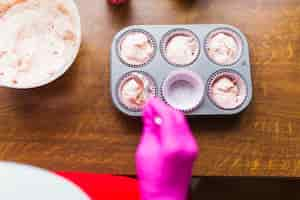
183, 90
234, 35
171, 34
233, 75
150, 38
123, 79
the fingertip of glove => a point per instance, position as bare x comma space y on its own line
159, 108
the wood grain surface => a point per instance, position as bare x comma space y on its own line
72, 124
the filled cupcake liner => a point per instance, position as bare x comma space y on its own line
236, 36
169, 35
150, 38
192, 76
226, 73
127, 76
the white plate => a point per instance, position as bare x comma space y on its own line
30, 183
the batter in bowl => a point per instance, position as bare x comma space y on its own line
41, 38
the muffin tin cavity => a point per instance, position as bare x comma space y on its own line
227, 89
180, 47
136, 48
183, 90
216, 82
134, 89
223, 46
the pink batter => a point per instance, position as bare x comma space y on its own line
228, 92
182, 48
136, 48
223, 48
135, 90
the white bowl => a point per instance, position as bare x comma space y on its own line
26, 182
69, 63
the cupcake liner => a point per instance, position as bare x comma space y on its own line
126, 77
169, 35
236, 36
189, 92
150, 38
237, 77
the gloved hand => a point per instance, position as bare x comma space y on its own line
165, 156
117, 2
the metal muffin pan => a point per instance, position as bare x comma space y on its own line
159, 68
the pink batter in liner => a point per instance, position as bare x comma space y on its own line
135, 89
224, 47
181, 47
136, 48
228, 90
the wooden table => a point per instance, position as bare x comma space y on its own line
71, 124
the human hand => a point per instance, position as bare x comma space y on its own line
117, 2
165, 156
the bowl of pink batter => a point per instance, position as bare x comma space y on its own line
40, 42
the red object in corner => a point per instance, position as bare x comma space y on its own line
104, 187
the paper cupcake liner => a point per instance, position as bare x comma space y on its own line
227, 73
126, 76
150, 38
169, 35
183, 76
236, 36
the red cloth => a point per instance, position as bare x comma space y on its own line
104, 187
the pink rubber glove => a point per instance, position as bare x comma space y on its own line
117, 2
165, 156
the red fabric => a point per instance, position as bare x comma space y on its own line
104, 187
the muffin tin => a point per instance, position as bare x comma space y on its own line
160, 70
